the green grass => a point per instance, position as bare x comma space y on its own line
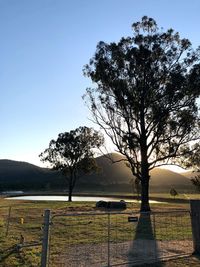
70, 230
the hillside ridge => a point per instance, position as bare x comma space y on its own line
111, 176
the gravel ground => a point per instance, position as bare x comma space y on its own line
126, 254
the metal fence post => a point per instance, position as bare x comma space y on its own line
195, 220
108, 240
8, 221
154, 237
45, 240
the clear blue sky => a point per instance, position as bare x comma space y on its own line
43, 47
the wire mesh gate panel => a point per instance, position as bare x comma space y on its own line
79, 240
118, 239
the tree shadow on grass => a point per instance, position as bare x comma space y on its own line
144, 249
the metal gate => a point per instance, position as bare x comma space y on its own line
118, 239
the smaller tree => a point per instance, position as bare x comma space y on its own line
132, 183
173, 192
193, 161
136, 186
73, 154
196, 182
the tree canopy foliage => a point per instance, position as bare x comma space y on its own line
196, 182
145, 98
73, 153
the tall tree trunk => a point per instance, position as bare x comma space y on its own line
70, 186
72, 182
145, 194
144, 161
144, 182
70, 194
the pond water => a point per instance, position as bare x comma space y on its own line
74, 198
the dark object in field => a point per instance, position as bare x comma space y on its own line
101, 204
111, 204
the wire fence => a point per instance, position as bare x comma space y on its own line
114, 239
20, 228
96, 239
17, 221
5, 212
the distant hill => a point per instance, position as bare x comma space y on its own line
111, 177
164, 180
23, 175
189, 174
118, 175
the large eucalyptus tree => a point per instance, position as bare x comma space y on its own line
145, 97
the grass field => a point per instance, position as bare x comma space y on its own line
26, 221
